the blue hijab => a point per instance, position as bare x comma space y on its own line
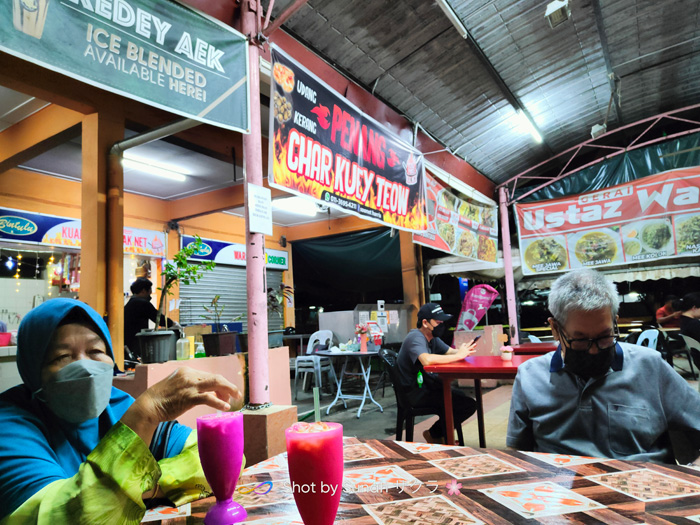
39, 448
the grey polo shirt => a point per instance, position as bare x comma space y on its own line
624, 414
414, 345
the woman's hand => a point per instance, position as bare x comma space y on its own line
176, 394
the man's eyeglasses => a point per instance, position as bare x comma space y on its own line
604, 342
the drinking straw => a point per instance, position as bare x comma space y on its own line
317, 405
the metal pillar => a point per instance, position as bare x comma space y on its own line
258, 374
508, 266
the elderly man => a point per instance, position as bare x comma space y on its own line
594, 396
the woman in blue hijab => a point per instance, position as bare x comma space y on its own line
75, 449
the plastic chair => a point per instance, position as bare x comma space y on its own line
534, 338
692, 352
648, 338
315, 364
406, 413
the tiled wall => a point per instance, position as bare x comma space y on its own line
17, 298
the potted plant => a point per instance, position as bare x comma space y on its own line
158, 346
507, 353
362, 333
276, 298
220, 342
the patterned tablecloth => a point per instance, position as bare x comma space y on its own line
396, 483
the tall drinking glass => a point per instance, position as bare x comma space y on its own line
315, 456
220, 442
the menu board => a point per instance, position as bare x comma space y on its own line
655, 217
325, 148
458, 227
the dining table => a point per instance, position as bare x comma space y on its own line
389, 482
364, 373
476, 367
535, 348
301, 347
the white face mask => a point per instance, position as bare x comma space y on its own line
79, 391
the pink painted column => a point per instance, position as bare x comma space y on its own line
508, 264
258, 373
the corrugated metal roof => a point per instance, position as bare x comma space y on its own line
428, 72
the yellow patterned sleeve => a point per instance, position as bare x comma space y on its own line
106, 490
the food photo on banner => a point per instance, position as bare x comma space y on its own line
654, 217
325, 148
458, 227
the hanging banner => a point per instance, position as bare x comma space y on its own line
48, 230
476, 302
164, 54
458, 227
655, 217
325, 148
234, 254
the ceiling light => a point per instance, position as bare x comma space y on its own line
450, 13
297, 205
557, 12
158, 169
598, 130
526, 126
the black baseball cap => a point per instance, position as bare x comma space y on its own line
432, 311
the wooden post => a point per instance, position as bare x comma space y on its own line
102, 234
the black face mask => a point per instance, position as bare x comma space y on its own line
439, 330
587, 365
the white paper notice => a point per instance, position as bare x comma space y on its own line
393, 317
260, 209
363, 317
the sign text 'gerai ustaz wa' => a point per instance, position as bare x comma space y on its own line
162, 53
325, 148
655, 217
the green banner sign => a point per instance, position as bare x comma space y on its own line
162, 53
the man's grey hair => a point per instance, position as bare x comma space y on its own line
582, 289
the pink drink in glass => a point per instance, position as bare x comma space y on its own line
315, 456
220, 441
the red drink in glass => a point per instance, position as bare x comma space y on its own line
220, 442
315, 456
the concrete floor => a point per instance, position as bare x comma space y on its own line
375, 424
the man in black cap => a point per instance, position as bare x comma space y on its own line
422, 347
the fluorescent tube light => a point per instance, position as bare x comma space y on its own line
297, 205
557, 12
158, 169
526, 125
452, 16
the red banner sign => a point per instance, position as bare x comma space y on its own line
323, 147
458, 227
656, 217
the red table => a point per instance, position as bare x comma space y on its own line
476, 367
535, 348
